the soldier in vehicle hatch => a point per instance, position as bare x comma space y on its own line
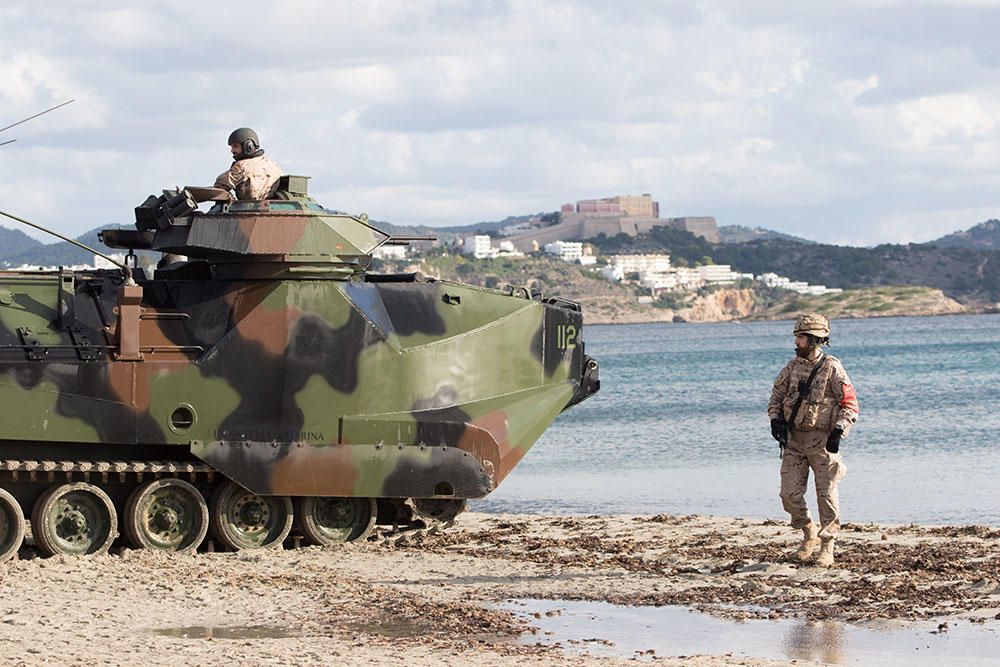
253, 174
812, 407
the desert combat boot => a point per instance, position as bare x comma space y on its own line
810, 541
825, 557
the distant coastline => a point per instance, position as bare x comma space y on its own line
790, 318
746, 305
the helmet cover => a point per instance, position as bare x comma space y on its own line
813, 323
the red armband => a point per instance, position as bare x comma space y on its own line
850, 399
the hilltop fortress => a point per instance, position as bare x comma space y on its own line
623, 214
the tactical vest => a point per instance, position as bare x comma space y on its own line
818, 406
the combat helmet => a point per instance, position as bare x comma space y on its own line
814, 324
247, 139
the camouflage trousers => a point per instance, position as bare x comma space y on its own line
807, 450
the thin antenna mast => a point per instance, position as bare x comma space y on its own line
124, 267
40, 113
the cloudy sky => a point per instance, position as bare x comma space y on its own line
848, 122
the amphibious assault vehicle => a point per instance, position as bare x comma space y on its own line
264, 381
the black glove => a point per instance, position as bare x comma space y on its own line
833, 442
779, 430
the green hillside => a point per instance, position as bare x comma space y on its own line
14, 241
985, 236
60, 253
741, 234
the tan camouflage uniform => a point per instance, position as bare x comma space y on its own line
251, 178
831, 403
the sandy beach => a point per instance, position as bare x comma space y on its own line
429, 597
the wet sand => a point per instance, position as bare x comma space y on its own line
428, 597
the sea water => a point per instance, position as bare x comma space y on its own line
672, 631
680, 424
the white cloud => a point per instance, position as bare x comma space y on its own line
919, 225
963, 117
850, 89
833, 118
128, 28
755, 146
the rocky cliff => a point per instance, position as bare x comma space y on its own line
722, 305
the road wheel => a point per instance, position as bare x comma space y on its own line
166, 514
11, 526
242, 520
329, 521
75, 519
438, 509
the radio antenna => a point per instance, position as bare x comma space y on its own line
124, 267
40, 113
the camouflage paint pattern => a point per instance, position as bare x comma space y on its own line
276, 359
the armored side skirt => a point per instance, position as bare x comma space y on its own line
381, 471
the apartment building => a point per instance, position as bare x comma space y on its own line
569, 251
641, 263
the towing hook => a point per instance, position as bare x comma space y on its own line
590, 382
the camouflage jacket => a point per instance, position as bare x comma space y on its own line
831, 402
251, 178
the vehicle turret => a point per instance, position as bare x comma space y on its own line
290, 233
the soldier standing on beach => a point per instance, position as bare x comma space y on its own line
813, 405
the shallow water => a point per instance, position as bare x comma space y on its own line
677, 631
680, 423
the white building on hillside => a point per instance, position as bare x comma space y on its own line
688, 278
507, 249
774, 280
613, 272
479, 246
718, 274
569, 251
641, 263
657, 280
390, 252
